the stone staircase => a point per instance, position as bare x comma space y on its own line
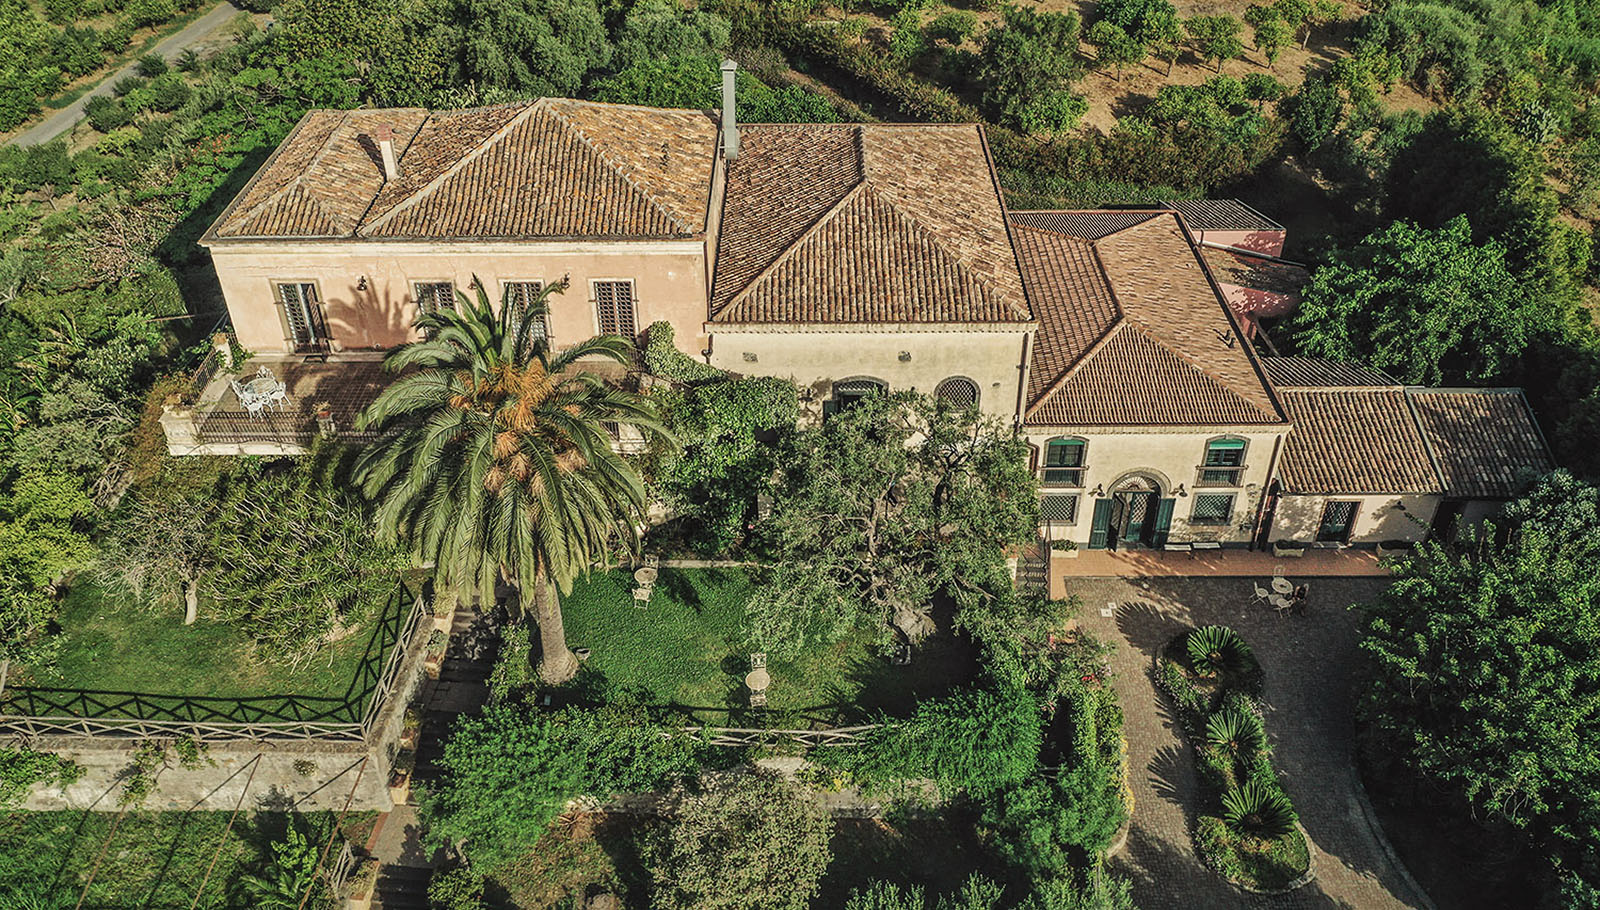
1033, 570
462, 688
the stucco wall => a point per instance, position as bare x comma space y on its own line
1171, 458
990, 359
1267, 242
669, 282
1380, 517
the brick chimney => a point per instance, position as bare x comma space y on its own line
730, 119
391, 167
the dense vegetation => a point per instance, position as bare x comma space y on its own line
1486, 678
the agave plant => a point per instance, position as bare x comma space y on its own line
1216, 649
1237, 731
1258, 810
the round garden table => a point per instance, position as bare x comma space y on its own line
1282, 585
757, 680
645, 576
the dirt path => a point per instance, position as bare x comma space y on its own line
1309, 693
196, 34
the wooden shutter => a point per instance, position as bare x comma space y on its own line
1163, 527
1100, 529
614, 303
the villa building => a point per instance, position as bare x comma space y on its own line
852, 258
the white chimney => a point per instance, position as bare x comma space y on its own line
730, 120
391, 168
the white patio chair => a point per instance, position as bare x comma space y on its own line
1262, 594
758, 699
252, 403
758, 660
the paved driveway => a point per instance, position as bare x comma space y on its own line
1309, 692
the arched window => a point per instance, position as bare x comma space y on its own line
1063, 462
1224, 462
848, 392
959, 391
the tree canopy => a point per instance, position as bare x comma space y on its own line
1424, 305
1487, 681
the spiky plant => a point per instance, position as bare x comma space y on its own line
494, 458
1236, 731
1258, 811
1216, 649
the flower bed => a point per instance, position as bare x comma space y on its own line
1247, 831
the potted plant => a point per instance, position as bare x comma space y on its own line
361, 884
438, 643
1067, 548
444, 613
410, 727
400, 778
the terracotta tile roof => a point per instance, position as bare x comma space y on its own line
1171, 353
320, 180
850, 223
547, 168
1354, 440
1486, 441
1222, 215
1088, 225
1288, 372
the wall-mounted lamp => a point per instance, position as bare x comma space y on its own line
1182, 492
905, 356
362, 284
1098, 491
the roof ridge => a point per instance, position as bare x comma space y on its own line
439, 179
933, 238
617, 168
1191, 364
1111, 331
298, 179
789, 251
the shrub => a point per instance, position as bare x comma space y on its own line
168, 93
1257, 810
662, 357
887, 896
1217, 650
456, 889
152, 65
106, 114
973, 742
1045, 826
952, 26
1236, 732
127, 85
754, 840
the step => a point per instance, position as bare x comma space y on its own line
402, 888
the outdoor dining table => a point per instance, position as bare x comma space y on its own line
1282, 585
645, 576
757, 680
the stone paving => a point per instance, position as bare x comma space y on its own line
1309, 662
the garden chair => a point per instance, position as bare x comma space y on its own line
1261, 594
652, 561
758, 660
252, 403
641, 598
758, 699
1282, 604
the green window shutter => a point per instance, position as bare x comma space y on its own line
1163, 526
1101, 528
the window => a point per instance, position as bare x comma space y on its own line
1063, 462
959, 391
614, 304
848, 393
1211, 509
433, 296
520, 295
300, 312
1059, 508
1223, 464
1337, 519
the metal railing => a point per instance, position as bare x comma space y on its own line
741, 736
29, 711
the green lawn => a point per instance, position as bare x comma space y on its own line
154, 859
688, 650
110, 645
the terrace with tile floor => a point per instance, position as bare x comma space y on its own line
1310, 662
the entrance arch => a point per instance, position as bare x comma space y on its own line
1135, 511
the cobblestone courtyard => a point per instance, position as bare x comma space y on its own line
1309, 662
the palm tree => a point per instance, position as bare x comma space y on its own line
494, 458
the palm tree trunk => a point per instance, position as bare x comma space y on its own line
557, 663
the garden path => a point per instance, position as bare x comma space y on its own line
1309, 662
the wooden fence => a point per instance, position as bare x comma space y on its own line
742, 736
29, 711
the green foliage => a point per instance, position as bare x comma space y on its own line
881, 895
1486, 663
106, 114
1046, 826
284, 883
752, 840
1114, 47
975, 742
658, 29
512, 676
1216, 38
1024, 645
906, 39
1256, 810
456, 889
1236, 731
38, 543
952, 26
1216, 651
152, 65
1216, 107
509, 773
881, 507
1025, 67
545, 47
22, 768
662, 357
1425, 305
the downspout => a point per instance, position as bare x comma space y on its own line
1024, 370
1260, 536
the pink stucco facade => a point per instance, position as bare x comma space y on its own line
365, 288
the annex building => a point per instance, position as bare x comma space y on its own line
850, 258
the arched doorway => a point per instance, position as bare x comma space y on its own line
1132, 513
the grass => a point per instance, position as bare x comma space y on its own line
114, 646
688, 650
154, 859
